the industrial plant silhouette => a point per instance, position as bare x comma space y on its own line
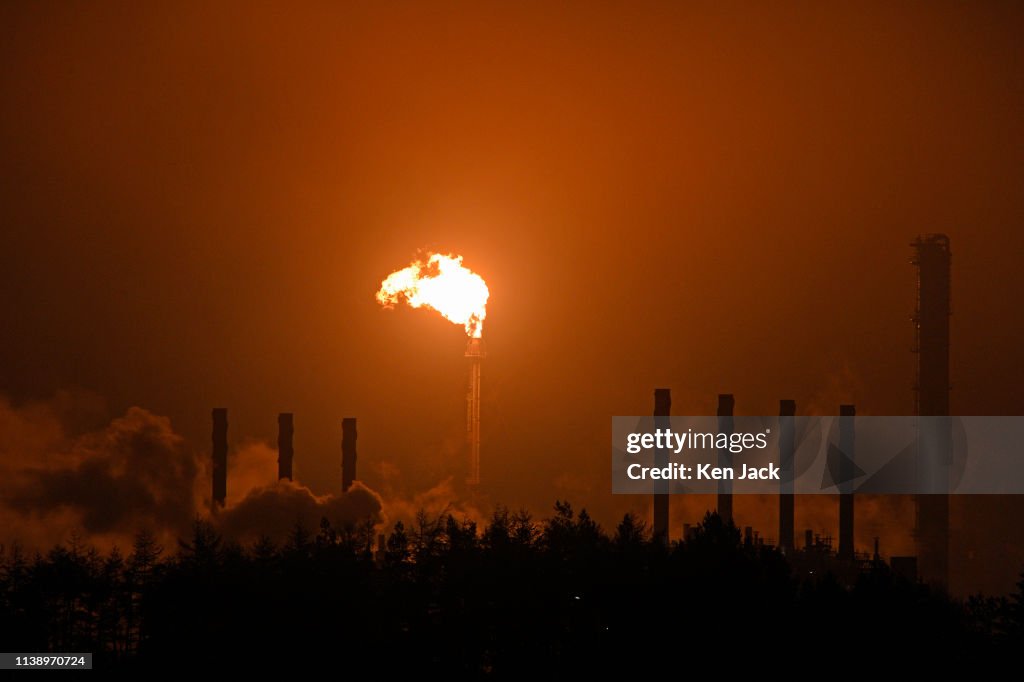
324, 320
515, 596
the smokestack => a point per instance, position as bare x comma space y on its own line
285, 452
220, 456
475, 353
348, 452
662, 409
846, 476
933, 258
808, 539
787, 448
725, 425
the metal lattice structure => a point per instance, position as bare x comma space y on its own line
475, 353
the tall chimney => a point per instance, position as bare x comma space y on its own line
220, 456
285, 451
725, 425
846, 475
787, 448
475, 352
662, 409
933, 258
348, 452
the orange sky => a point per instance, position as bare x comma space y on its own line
199, 203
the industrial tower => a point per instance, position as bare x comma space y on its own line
931, 328
475, 353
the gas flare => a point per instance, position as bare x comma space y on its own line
443, 283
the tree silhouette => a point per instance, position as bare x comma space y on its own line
503, 600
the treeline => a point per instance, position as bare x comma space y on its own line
510, 599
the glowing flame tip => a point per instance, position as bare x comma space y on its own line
443, 283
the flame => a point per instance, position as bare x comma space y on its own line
443, 283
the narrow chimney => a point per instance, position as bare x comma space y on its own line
285, 451
220, 456
725, 425
662, 409
933, 259
808, 538
787, 448
846, 476
348, 452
